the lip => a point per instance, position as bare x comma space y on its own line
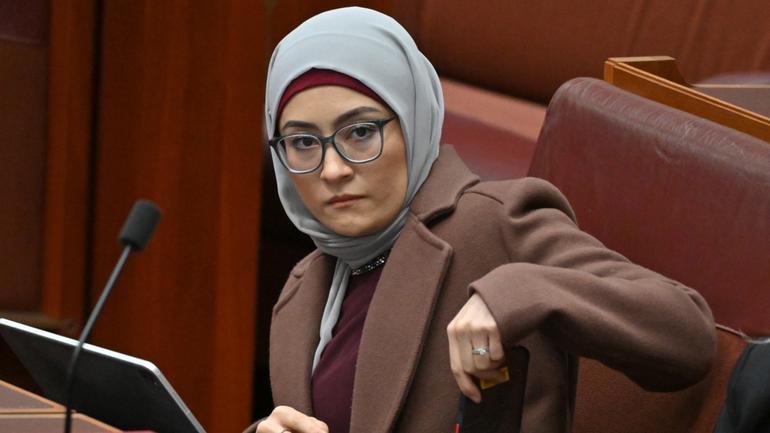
343, 200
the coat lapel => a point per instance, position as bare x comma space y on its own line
399, 315
396, 327
294, 329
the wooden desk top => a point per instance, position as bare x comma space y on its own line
22, 411
741, 107
14, 400
51, 422
753, 97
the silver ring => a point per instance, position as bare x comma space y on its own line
481, 351
285, 431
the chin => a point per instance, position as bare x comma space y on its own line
354, 230
354, 226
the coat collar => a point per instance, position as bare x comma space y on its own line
449, 177
398, 318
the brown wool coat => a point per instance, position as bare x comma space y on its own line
551, 287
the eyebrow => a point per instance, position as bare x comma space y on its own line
342, 118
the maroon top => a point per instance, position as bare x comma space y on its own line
333, 377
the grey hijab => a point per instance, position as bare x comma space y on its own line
376, 50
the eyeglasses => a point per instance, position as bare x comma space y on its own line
358, 143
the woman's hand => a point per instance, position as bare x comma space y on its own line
474, 328
285, 419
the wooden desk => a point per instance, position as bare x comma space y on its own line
14, 400
53, 423
743, 107
22, 411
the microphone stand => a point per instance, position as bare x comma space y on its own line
87, 331
136, 232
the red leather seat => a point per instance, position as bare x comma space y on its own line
673, 192
680, 195
608, 402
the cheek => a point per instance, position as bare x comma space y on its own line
393, 179
306, 189
400, 185
401, 171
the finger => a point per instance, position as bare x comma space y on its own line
267, 426
479, 340
464, 381
296, 421
270, 425
486, 325
323, 428
496, 351
468, 386
465, 348
306, 424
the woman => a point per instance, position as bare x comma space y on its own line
423, 274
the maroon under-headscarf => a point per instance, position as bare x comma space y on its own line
324, 77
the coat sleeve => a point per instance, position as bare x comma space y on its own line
592, 301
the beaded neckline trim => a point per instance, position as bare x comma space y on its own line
372, 265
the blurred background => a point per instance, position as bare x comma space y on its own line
103, 102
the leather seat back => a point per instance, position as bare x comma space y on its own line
673, 192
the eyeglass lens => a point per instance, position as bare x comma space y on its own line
359, 142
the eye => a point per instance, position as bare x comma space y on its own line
301, 142
362, 131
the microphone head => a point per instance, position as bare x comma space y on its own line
140, 225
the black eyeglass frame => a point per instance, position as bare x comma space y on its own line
380, 123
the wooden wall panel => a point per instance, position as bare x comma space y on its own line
22, 161
180, 124
46, 105
23, 83
68, 166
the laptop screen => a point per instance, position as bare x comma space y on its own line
126, 392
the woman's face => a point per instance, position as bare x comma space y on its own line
349, 199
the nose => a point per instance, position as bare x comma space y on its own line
334, 168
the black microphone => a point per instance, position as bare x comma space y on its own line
136, 232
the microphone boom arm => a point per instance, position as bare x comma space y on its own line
87, 332
136, 232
